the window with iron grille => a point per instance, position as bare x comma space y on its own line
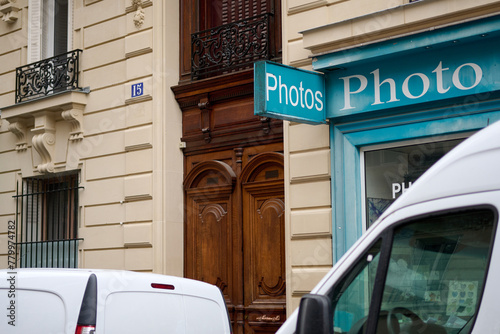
47, 229
219, 37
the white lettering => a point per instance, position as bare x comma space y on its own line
404, 187
410, 86
439, 78
293, 88
347, 91
309, 92
478, 72
396, 188
319, 99
306, 97
399, 188
268, 86
425, 81
281, 89
377, 84
301, 91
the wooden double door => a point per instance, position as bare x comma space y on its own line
234, 235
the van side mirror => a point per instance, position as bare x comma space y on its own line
315, 315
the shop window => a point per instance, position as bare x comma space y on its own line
391, 171
48, 222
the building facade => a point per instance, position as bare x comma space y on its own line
90, 163
233, 160
405, 83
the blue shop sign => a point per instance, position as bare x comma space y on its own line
289, 93
456, 71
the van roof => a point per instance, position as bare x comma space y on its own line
471, 167
113, 280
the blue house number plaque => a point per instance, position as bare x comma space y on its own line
137, 89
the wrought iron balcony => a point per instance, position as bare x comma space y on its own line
48, 76
231, 47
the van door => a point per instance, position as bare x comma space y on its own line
424, 275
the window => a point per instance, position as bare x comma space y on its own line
352, 297
437, 270
50, 26
429, 280
223, 36
390, 171
55, 27
48, 212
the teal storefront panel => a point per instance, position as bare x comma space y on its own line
428, 85
438, 73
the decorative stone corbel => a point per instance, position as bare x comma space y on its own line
75, 118
19, 129
9, 11
44, 140
139, 13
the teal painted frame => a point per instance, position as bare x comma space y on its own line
347, 139
349, 133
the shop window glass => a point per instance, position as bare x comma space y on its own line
391, 171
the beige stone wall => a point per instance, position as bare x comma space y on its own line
312, 27
129, 157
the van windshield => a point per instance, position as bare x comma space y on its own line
434, 278
436, 271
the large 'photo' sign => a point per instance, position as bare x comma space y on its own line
289, 93
438, 73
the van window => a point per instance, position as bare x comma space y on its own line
351, 298
427, 279
437, 270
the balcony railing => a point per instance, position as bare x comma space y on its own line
48, 76
231, 47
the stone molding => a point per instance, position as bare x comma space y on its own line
41, 116
9, 11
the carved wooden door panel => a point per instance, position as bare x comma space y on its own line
208, 242
235, 238
263, 244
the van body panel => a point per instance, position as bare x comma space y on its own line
50, 300
148, 312
41, 296
468, 177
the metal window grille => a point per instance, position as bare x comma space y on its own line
231, 47
47, 222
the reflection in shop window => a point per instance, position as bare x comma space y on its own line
390, 172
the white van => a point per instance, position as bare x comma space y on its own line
56, 301
429, 265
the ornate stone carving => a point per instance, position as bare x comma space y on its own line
139, 13
9, 11
44, 140
19, 129
75, 118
